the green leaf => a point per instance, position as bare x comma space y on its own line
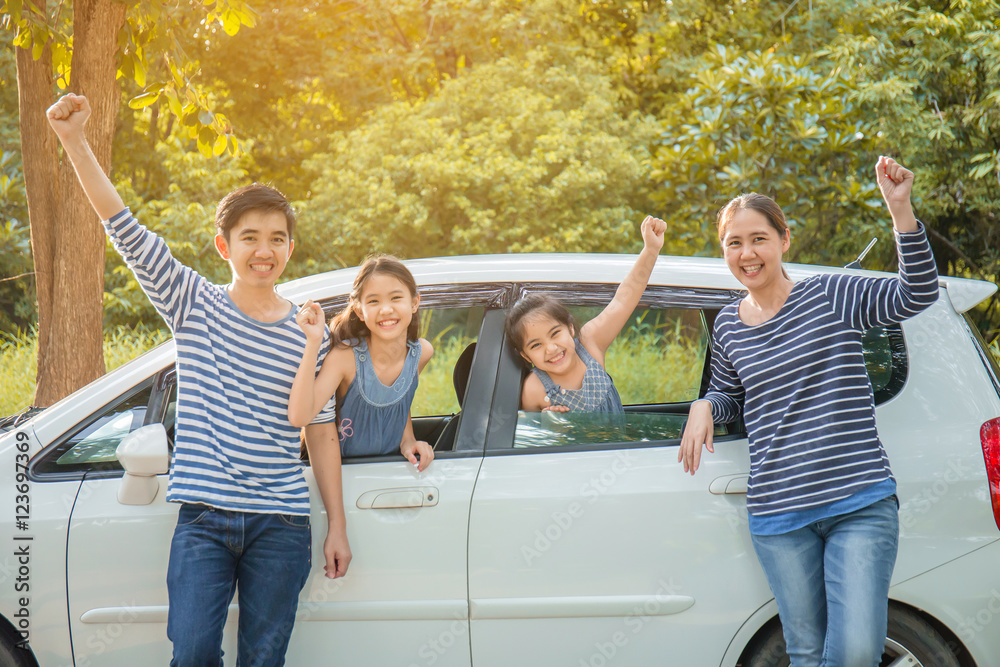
173, 102
205, 138
205, 117
140, 72
220, 145
230, 22
143, 101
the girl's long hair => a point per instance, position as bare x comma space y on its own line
346, 324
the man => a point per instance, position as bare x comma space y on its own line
244, 520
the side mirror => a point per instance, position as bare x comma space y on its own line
144, 455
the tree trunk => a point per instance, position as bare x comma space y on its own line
66, 240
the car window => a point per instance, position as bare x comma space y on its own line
451, 331
657, 363
659, 355
885, 360
91, 445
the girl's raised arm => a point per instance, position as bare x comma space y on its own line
310, 392
598, 334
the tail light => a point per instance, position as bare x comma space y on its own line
990, 435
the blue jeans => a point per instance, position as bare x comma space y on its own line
215, 552
831, 582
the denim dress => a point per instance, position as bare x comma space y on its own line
372, 415
597, 394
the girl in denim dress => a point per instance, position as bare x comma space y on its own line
373, 366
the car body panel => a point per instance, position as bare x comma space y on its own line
618, 546
650, 566
964, 595
45, 540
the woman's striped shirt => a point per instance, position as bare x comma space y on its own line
800, 382
234, 447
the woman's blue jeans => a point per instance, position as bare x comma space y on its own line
214, 553
831, 582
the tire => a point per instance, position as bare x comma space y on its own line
13, 656
912, 642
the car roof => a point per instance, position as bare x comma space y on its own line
709, 272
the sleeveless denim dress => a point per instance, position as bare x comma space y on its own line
372, 415
597, 394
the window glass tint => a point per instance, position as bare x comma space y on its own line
560, 429
96, 443
659, 355
450, 331
878, 357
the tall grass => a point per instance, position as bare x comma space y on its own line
436, 389
18, 361
656, 369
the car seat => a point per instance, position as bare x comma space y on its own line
460, 378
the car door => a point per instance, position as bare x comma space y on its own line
405, 598
407, 529
587, 541
115, 555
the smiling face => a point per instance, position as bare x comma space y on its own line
548, 343
753, 248
257, 249
386, 306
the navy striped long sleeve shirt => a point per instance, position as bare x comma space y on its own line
234, 446
800, 383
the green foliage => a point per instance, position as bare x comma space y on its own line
17, 285
522, 155
18, 355
648, 370
928, 78
436, 389
457, 126
767, 122
150, 55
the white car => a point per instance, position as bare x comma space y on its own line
534, 539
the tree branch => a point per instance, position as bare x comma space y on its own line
954, 248
30, 273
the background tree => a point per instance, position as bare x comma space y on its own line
523, 155
928, 80
85, 45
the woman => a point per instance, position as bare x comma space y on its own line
788, 357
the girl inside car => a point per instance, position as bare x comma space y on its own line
372, 367
568, 365
788, 359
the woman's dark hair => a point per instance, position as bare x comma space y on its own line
762, 204
347, 325
532, 305
253, 197
753, 202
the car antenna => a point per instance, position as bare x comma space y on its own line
856, 264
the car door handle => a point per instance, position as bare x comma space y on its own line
730, 484
414, 496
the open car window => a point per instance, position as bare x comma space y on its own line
660, 363
657, 363
451, 319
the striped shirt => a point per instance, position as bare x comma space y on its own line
800, 382
234, 447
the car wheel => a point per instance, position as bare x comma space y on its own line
12, 656
912, 642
